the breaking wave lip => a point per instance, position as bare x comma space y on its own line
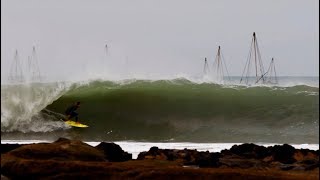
192, 81
284, 81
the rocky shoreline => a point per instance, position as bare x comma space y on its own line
73, 159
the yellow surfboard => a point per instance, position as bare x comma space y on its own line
76, 124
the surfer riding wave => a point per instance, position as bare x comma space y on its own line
71, 111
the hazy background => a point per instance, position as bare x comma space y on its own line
158, 38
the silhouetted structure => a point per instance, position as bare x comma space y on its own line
219, 67
16, 74
254, 58
206, 69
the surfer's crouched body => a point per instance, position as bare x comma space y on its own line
70, 112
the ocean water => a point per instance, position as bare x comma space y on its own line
183, 110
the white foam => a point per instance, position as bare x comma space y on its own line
21, 104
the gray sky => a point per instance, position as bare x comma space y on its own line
158, 37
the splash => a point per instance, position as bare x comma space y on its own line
21, 105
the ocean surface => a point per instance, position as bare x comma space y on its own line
183, 110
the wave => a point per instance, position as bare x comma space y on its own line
183, 110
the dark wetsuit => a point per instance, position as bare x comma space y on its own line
71, 111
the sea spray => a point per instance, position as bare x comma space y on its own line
21, 104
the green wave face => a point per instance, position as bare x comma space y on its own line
180, 110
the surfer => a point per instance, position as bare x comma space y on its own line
71, 111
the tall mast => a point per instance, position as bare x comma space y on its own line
219, 66
271, 73
36, 70
255, 52
206, 67
254, 56
106, 48
16, 74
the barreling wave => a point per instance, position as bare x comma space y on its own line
182, 110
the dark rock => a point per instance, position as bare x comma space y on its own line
186, 156
113, 152
242, 163
283, 153
309, 161
43, 159
206, 159
62, 140
250, 151
286, 167
154, 150
8, 147
312, 166
142, 155
71, 159
170, 156
62, 149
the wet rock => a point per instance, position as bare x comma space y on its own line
113, 152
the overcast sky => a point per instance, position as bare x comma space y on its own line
158, 37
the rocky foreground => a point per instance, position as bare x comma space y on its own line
72, 159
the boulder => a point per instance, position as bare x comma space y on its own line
113, 152
35, 161
250, 151
206, 159
62, 149
185, 156
283, 153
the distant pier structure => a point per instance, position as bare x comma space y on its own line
220, 70
16, 73
30, 74
33, 67
253, 59
271, 74
206, 69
